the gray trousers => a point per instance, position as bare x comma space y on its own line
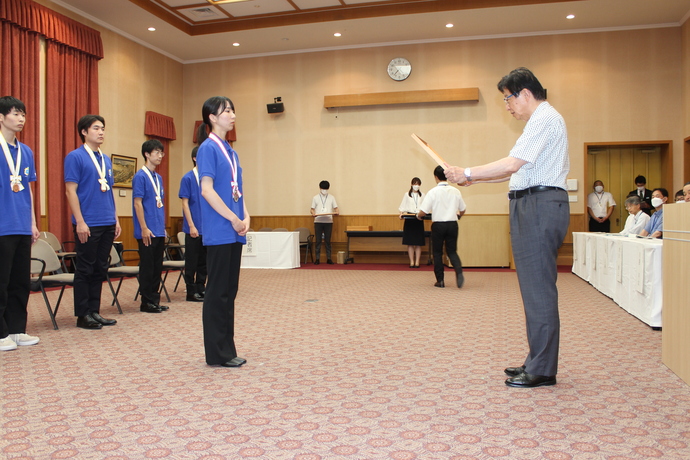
538, 225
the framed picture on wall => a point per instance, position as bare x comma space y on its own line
124, 169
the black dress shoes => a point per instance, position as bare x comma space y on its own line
87, 322
163, 307
234, 362
526, 380
329, 262
440, 284
149, 308
103, 321
196, 297
317, 262
460, 279
514, 371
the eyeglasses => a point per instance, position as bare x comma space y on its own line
505, 99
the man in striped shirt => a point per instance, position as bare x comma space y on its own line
537, 167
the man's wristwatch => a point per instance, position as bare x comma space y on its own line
468, 174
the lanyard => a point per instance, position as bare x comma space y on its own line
101, 169
236, 194
15, 178
156, 186
196, 174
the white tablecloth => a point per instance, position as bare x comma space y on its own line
628, 270
271, 250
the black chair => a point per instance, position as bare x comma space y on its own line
305, 241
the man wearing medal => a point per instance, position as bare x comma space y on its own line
18, 228
149, 225
89, 190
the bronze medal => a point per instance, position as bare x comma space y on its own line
15, 188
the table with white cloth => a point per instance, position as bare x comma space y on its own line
628, 270
271, 250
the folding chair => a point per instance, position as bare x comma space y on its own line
59, 249
305, 241
171, 265
119, 270
45, 264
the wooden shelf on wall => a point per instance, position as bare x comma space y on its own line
402, 97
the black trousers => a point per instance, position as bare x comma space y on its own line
15, 272
445, 233
595, 226
91, 268
194, 264
150, 268
326, 229
218, 315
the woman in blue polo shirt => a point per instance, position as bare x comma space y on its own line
225, 224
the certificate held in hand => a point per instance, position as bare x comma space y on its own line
427, 148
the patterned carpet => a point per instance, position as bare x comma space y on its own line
344, 364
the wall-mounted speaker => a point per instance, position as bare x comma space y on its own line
277, 107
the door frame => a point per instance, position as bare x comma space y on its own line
665, 150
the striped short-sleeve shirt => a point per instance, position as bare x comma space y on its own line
544, 146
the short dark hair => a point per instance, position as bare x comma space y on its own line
641, 180
438, 172
679, 193
149, 146
85, 123
7, 103
663, 191
522, 78
324, 184
194, 150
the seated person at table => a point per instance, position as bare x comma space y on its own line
655, 227
686, 191
680, 196
637, 220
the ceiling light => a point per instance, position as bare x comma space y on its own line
235, 44
337, 34
449, 25
570, 16
152, 29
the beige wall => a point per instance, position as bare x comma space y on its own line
615, 86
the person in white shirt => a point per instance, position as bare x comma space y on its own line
637, 220
413, 229
600, 206
445, 204
323, 208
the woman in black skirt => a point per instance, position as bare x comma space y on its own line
413, 230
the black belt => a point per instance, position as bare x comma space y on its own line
513, 194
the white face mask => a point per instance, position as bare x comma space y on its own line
415, 188
324, 192
598, 189
656, 202
640, 189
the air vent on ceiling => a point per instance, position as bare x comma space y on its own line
205, 13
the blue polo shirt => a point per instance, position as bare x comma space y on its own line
191, 190
16, 206
211, 162
154, 216
656, 222
97, 208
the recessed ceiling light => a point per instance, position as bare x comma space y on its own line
570, 16
235, 44
152, 29
337, 34
449, 25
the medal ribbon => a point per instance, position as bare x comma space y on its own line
233, 166
101, 169
196, 174
15, 177
156, 186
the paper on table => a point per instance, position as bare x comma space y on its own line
427, 148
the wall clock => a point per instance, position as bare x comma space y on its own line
399, 69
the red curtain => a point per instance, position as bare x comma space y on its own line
73, 51
71, 92
162, 127
19, 78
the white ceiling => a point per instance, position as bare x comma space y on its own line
132, 21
